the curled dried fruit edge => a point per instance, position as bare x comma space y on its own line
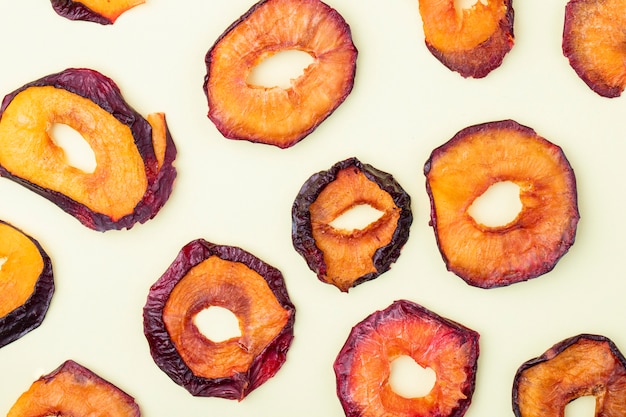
104, 12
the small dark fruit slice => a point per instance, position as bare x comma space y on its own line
104, 12
477, 157
73, 390
471, 41
279, 116
582, 365
26, 283
593, 41
134, 171
363, 365
346, 258
205, 275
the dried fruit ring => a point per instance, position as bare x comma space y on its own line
363, 365
104, 12
278, 116
578, 366
346, 258
205, 275
461, 170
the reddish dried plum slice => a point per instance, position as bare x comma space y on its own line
104, 12
346, 258
134, 171
205, 275
363, 365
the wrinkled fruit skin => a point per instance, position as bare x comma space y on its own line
31, 314
362, 367
302, 228
581, 365
169, 359
75, 10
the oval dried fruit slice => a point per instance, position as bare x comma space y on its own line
204, 275
363, 365
134, 156
26, 283
582, 365
471, 41
477, 157
104, 12
346, 258
73, 390
279, 116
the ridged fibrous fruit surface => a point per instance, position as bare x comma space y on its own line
104, 12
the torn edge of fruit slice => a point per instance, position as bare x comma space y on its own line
463, 168
363, 365
26, 283
96, 11
278, 116
134, 172
593, 43
73, 390
471, 41
348, 258
205, 275
586, 364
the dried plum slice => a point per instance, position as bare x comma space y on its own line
104, 12
134, 171
205, 275
362, 367
346, 258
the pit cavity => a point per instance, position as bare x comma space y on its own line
3, 260
498, 206
467, 4
217, 324
77, 151
356, 218
584, 406
279, 69
409, 379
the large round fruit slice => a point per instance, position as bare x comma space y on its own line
134, 170
593, 41
346, 258
363, 365
578, 366
477, 157
279, 116
26, 283
104, 12
205, 275
471, 41
73, 390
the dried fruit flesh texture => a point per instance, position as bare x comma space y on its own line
593, 41
346, 258
462, 169
279, 116
134, 171
104, 12
205, 275
73, 390
471, 41
579, 366
362, 366
26, 283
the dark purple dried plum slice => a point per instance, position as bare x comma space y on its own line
104, 12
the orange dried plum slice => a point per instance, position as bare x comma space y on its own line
73, 390
134, 156
26, 283
593, 42
104, 12
205, 275
471, 41
461, 170
582, 365
362, 367
346, 258
279, 116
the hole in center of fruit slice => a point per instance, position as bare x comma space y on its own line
217, 324
279, 69
460, 5
410, 380
3, 259
584, 406
356, 218
77, 151
498, 206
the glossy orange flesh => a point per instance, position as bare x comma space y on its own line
111, 9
